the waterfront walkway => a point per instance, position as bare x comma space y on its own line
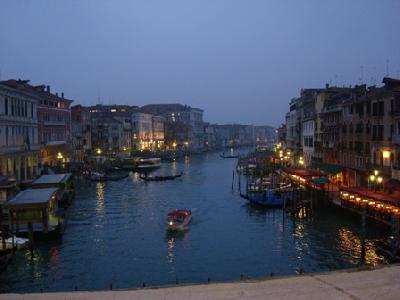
381, 283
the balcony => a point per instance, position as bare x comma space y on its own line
54, 123
15, 149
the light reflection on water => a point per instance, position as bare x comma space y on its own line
116, 234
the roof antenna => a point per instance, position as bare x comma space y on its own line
387, 67
361, 74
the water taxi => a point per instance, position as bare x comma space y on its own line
148, 163
178, 219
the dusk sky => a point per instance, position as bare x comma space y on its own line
240, 61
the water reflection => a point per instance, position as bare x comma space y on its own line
358, 251
100, 197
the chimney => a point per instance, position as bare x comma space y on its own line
48, 89
56, 94
327, 85
62, 95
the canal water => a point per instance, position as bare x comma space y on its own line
116, 235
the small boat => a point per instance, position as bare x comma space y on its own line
269, 197
229, 156
19, 243
178, 219
148, 163
160, 178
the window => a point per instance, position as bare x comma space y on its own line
368, 106
6, 106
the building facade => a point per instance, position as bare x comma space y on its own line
19, 143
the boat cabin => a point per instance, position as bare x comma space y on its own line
64, 182
35, 210
178, 215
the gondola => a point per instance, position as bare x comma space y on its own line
159, 178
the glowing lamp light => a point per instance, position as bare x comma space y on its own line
386, 154
98, 151
376, 172
59, 155
379, 179
372, 177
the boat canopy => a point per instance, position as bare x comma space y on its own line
33, 197
179, 213
52, 179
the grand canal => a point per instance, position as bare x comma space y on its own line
116, 235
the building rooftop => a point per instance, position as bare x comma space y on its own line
159, 109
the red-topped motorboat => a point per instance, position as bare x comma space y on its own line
178, 219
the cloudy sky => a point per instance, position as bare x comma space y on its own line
240, 60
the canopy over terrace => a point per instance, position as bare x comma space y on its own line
378, 196
302, 175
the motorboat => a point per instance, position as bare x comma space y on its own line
178, 219
148, 163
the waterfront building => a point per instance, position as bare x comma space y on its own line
19, 145
158, 133
369, 127
348, 132
332, 120
111, 129
54, 127
178, 136
142, 131
81, 132
182, 115
293, 123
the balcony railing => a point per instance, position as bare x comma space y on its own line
18, 148
54, 123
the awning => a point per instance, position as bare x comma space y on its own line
320, 180
328, 168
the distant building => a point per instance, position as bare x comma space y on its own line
142, 131
81, 132
185, 115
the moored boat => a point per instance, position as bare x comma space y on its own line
97, 176
269, 197
148, 163
178, 219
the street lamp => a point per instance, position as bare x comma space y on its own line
59, 155
98, 151
375, 179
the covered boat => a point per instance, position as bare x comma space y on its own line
269, 197
178, 219
148, 163
37, 210
63, 182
